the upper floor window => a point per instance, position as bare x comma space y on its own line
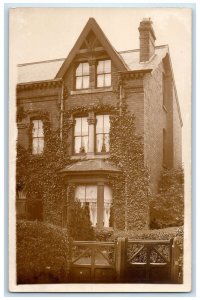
81, 135
82, 76
104, 73
102, 133
37, 136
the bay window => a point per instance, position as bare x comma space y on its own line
88, 195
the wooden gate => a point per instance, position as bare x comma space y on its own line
93, 262
127, 261
148, 261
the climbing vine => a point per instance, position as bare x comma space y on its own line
131, 189
38, 174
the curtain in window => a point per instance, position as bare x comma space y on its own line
102, 133
107, 205
87, 195
81, 135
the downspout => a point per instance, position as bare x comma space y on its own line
61, 110
126, 184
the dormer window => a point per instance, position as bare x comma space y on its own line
104, 73
82, 76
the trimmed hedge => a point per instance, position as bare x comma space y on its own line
42, 253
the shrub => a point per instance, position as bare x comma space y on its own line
43, 253
167, 208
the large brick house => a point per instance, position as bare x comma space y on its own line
95, 72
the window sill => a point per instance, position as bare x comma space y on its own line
92, 91
90, 156
164, 107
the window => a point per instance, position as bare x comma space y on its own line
87, 196
104, 73
102, 133
37, 137
81, 135
82, 76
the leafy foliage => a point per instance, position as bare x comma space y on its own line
42, 253
130, 190
167, 208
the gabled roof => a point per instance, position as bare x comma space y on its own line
92, 25
91, 166
47, 70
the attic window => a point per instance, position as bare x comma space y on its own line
82, 76
104, 73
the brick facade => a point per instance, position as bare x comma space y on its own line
152, 99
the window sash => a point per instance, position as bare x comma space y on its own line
104, 73
37, 137
82, 76
102, 133
81, 135
87, 195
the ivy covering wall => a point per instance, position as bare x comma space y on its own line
39, 174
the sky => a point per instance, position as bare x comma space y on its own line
38, 34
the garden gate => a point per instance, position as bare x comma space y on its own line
93, 262
128, 261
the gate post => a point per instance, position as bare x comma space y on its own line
121, 258
174, 262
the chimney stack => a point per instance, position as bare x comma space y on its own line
147, 40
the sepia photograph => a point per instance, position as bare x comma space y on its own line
100, 149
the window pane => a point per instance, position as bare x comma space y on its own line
40, 145
40, 128
107, 143
107, 194
100, 67
107, 205
79, 82
86, 82
79, 70
99, 124
107, 66
77, 144
107, 79
99, 142
35, 146
80, 193
85, 69
91, 193
77, 130
35, 128
100, 80
93, 213
85, 143
84, 126
106, 123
